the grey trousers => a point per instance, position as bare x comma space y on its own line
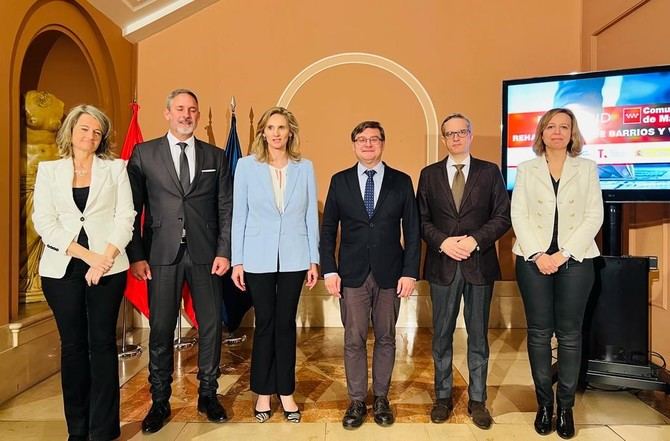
357, 305
446, 304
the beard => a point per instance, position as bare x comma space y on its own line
186, 128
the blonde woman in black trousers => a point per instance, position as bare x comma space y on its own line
84, 214
557, 210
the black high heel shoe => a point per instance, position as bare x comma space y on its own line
565, 423
292, 416
262, 415
543, 420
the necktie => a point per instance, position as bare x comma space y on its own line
184, 174
458, 185
369, 197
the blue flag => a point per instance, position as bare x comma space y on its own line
233, 151
235, 302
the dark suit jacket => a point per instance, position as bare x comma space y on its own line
371, 244
484, 214
205, 211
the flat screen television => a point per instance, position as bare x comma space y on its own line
624, 116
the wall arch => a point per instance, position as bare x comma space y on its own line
400, 72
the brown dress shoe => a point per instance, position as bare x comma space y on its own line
441, 410
480, 414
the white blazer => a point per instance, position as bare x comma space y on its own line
107, 219
580, 208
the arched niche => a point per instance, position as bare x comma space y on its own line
58, 46
54, 65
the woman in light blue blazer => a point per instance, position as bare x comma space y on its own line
84, 215
557, 210
275, 243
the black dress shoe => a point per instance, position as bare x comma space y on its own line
382, 410
565, 424
77, 438
543, 420
480, 414
355, 415
156, 417
211, 407
441, 410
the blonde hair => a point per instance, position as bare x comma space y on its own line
259, 146
576, 139
64, 136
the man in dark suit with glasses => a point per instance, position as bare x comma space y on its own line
371, 203
464, 209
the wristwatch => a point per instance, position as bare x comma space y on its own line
565, 253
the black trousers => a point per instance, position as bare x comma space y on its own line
446, 300
555, 304
165, 290
86, 319
357, 306
275, 297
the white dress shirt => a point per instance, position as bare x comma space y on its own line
451, 170
377, 178
175, 151
279, 185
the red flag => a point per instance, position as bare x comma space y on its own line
136, 290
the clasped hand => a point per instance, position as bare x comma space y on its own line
549, 263
98, 264
459, 247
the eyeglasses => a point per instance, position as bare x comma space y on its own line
458, 133
374, 140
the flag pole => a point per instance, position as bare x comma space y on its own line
127, 350
229, 337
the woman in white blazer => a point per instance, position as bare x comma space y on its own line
557, 210
84, 214
275, 243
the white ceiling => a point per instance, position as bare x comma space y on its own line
139, 19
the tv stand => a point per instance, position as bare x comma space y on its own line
616, 326
644, 377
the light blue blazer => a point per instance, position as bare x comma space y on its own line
261, 235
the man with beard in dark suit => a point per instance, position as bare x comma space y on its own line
371, 203
183, 186
464, 209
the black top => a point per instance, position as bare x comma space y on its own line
80, 196
553, 247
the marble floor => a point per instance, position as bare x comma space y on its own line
321, 392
